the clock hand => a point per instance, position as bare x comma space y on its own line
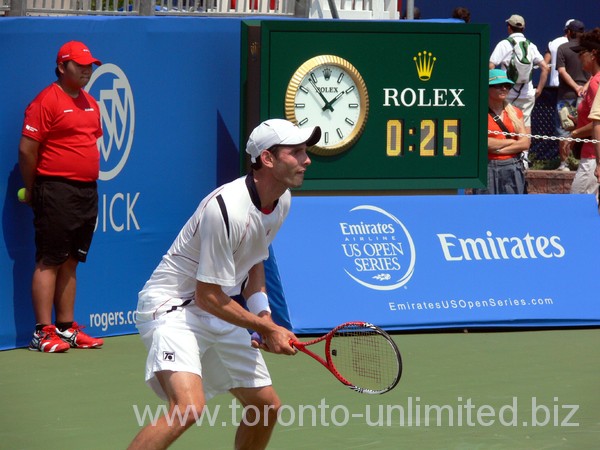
327, 105
336, 98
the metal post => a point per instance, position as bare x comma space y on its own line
410, 9
302, 8
18, 8
333, 9
147, 7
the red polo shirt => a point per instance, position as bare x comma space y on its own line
67, 129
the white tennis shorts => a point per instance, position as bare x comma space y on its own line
190, 340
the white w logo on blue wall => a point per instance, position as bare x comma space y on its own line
110, 87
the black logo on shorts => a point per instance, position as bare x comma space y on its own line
169, 356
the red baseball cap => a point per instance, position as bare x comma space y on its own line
78, 52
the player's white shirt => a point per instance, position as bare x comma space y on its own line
210, 250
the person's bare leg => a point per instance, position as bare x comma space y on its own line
43, 286
255, 431
563, 152
186, 397
64, 293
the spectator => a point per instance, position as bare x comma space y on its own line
550, 56
506, 174
521, 95
552, 82
462, 13
572, 79
59, 162
595, 118
585, 182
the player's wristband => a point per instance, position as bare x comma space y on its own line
258, 302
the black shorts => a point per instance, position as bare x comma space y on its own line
65, 213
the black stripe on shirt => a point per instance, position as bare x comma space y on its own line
223, 208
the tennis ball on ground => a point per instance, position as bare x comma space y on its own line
21, 194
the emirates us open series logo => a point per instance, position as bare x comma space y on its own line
378, 249
111, 89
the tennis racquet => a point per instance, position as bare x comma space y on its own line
360, 355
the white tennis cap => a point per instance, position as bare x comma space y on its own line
279, 132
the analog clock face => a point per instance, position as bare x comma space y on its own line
329, 92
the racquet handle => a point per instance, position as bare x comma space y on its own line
256, 337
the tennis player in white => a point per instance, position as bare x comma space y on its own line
196, 334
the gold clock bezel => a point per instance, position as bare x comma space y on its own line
294, 84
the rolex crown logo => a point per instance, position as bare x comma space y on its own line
327, 73
424, 62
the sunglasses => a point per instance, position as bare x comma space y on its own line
506, 86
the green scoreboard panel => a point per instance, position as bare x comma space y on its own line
402, 105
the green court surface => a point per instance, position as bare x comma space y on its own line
508, 390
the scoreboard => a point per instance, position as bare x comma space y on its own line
403, 105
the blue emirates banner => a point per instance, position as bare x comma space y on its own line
440, 261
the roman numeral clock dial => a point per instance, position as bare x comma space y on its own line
329, 92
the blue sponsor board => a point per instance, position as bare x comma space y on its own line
170, 116
440, 261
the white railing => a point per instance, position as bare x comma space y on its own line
354, 9
170, 7
80, 7
4, 7
146, 7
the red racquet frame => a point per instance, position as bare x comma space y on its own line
329, 364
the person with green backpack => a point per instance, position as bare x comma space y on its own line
518, 56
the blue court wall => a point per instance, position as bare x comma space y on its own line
170, 89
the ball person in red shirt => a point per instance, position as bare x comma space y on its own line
59, 163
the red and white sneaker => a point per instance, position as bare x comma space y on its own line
78, 339
46, 340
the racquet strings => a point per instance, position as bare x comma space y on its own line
365, 358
